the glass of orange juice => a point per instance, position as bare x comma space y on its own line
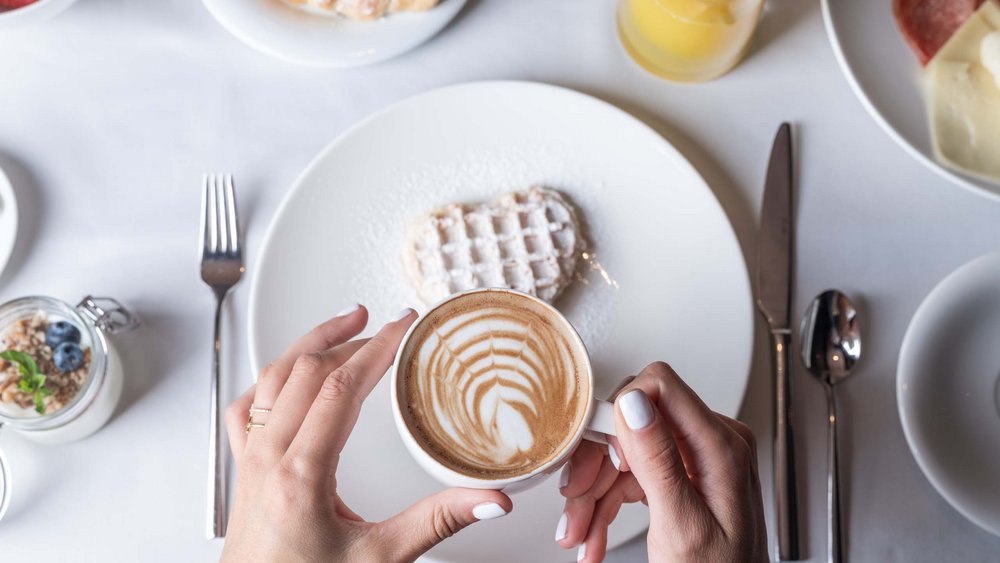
688, 40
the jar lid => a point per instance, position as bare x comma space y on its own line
108, 314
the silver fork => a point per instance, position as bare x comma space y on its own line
221, 269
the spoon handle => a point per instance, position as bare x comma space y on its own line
834, 541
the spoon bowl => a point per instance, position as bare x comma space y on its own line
830, 337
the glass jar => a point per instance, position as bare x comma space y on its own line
687, 40
95, 400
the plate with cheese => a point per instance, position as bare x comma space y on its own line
928, 71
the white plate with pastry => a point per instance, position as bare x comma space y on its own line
660, 275
929, 76
334, 33
948, 389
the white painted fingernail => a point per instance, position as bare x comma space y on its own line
488, 511
564, 476
615, 460
401, 315
636, 409
348, 310
561, 527
582, 552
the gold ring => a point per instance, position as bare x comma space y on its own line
251, 423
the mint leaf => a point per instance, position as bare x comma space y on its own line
32, 381
25, 363
39, 404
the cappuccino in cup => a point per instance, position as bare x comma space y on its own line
492, 387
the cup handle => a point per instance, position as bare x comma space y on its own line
602, 422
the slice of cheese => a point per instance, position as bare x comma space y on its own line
965, 117
964, 99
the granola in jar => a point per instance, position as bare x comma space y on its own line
44, 363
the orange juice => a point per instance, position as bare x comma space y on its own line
687, 40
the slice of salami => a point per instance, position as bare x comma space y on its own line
927, 24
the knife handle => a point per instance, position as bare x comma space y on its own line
785, 486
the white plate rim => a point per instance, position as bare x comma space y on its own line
898, 138
253, 337
264, 47
8, 205
922, 317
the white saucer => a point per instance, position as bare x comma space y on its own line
948, 388
8, 220
299, 36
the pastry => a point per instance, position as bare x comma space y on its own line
528, 240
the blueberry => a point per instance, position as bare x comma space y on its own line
59, 332
68, 357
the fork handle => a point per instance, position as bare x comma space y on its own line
217, 512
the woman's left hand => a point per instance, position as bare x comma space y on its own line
287, 505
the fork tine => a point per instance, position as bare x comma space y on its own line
220, 216
208, 236
213, 215
234, 223
203, 232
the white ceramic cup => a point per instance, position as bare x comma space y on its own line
598, 420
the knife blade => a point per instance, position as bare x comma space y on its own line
774, 250
774, 290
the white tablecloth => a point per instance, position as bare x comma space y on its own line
110, 113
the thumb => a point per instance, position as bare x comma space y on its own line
655, 459
440, 516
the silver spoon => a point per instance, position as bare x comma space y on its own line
831, 345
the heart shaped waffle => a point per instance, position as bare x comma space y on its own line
528, 240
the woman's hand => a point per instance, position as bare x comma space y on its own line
287, 506
695, 469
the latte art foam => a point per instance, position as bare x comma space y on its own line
493, 385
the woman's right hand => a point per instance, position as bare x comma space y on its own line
288, 505
694, 468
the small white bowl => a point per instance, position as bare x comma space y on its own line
325, 40
33, 13
948, 390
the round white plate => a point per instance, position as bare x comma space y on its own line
885, 75
299, 36
948, 388
658, 229
33, 13
8, 220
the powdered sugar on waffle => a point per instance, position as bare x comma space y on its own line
476, 176
528, 240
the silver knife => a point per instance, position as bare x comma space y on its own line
774, 290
